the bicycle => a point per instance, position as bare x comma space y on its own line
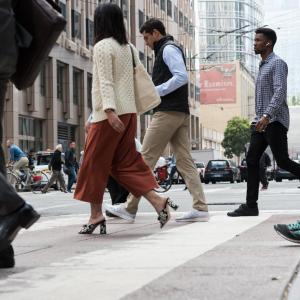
33, 182
165, 179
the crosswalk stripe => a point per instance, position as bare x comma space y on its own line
131, 265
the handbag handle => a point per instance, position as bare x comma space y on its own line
132, 54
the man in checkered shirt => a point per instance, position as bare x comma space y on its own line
272, 119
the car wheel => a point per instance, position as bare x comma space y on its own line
206, 181
278, 180
213, 182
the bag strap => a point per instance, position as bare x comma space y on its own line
132, 54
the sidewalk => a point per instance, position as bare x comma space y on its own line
226, 258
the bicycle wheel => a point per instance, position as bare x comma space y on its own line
37, 181
164, 186
15, 181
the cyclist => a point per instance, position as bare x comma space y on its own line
18, 159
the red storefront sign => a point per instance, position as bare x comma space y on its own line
218, 84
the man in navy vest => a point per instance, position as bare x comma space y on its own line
170, 122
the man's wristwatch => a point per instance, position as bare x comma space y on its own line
109, 110
267, 116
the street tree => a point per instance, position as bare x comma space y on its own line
236, 136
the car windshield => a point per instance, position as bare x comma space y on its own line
217, 164
199, 165
44, 159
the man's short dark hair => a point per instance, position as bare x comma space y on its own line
269, 33
152, 24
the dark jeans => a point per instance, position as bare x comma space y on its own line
117, 193
71, 178
9, 199
275, 136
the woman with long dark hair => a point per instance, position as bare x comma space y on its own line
110, 146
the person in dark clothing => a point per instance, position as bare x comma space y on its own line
31, 159
71, 164
264, 162
15, 213
271, 124
55, 165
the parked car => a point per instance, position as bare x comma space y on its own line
201, 169
243, 170
221, 170
280, 174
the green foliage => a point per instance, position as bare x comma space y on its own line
236, 136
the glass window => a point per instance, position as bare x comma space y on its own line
141, 18
163, 4
61, 79
63, 10
169, 8
77, 85
89, 32
142, 58
31, 132
76, 25
43, 81
175, 13
186, 24
192, 91
149, 65
217, 164
180, 19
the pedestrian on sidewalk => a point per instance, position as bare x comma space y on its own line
264, 163
170, 122
71, 165
272, 119
110, 146
15, 213
55, 166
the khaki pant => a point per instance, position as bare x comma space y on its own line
171, 127
56, 176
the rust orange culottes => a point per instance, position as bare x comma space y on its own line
108, 152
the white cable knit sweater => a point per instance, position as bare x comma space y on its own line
113, 85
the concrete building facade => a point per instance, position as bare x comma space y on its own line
55, 108
179, 19
227, 90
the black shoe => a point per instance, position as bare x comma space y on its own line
12, 223
7, 259
289, 232
244, 211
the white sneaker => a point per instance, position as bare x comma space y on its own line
194, 216
120, 211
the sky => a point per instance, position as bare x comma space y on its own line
275, 5
284, 17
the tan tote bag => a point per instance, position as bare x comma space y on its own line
146, 96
